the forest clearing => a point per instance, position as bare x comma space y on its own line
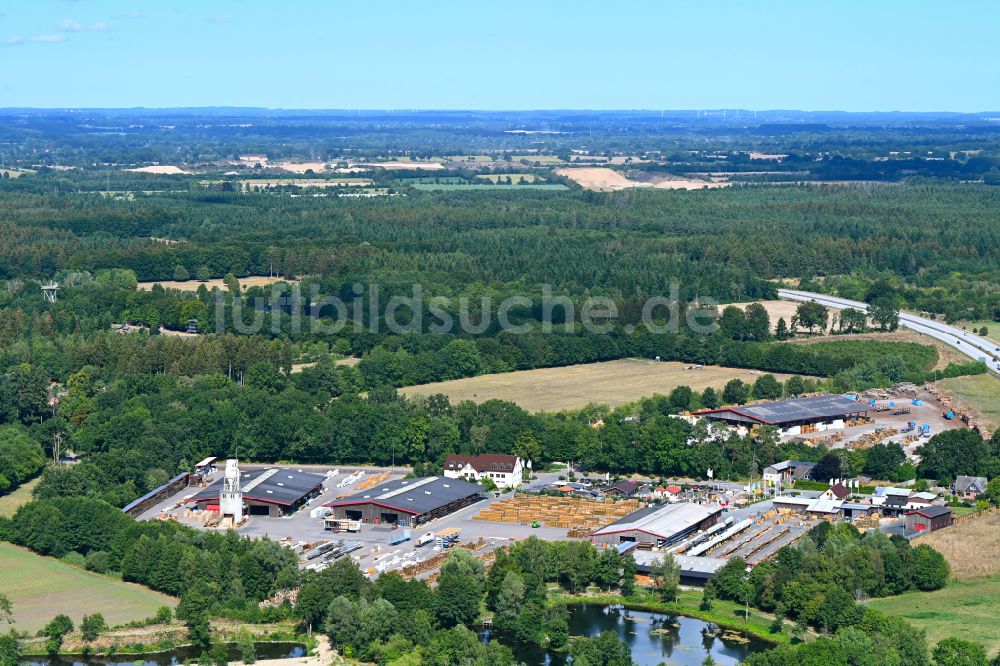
192, 285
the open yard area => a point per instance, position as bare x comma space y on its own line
42, 587
611, 382
978, 394
968, 609
192, 285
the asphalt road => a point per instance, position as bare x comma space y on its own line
970, 344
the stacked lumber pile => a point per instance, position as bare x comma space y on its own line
370, 482
579, 515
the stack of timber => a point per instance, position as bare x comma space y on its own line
580, 516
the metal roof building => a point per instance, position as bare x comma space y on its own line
694, 570
407, 502
659, 525
276, 491
790, 414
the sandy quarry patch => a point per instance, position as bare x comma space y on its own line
599, 179
302, 167
162, 169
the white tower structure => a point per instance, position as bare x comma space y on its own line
231, 498
50, 290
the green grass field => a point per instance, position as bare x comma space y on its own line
42, 587
980, 394
992, 326
22, 495
967, 609
514, 177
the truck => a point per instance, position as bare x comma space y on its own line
424, 539
399, 537
910, 427
447, 538
342, 525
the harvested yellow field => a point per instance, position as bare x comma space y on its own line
572, 387
775, 310
192, 285
599, 179
972, 548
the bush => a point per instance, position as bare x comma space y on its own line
99, 561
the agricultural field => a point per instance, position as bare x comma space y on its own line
401, 164
10, 502
572, 387
245, 185
192, 285
514, 177
42, 587
967, 608
541, 159
978, 394
972, 548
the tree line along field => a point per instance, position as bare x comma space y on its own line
970, 605
611, 382
42, 587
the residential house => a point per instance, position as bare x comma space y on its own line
969, 487
504, 471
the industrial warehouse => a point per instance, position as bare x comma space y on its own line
793, 417
658, 526
407, 502
274, 492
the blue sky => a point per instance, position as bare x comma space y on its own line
875, 55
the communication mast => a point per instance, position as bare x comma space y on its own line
231, 498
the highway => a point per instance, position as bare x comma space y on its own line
970, 344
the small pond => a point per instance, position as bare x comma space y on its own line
654, 638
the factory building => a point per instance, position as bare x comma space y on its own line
278, 491
792, 417
658, 526
407, 502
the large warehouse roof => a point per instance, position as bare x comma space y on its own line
278, 485
414, 496
662, 521
798, 409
